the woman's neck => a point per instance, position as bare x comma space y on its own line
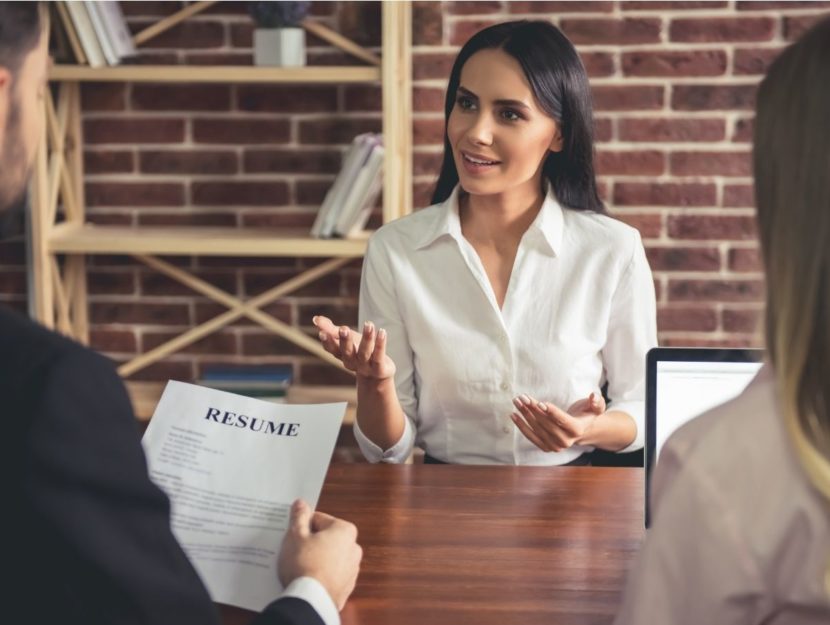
500, 217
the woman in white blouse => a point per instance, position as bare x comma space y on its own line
741, 525
492, 319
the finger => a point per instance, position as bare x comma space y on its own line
367, 343
379, 353
332, 346
562, 420
324, 324
528, 432
321, 521
542, 431
548, 425
597, 403
300, 518
347, 345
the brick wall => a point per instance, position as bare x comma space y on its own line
674, 86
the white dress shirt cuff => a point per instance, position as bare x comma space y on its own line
397, 454
310, 590
637, 410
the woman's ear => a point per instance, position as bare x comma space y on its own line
556, 144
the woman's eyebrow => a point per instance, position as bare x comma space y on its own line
515, 103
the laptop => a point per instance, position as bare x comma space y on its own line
682, 383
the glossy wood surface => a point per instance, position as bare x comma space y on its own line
457, 545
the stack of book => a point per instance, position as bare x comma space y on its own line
351, 199
266, 382
97, 32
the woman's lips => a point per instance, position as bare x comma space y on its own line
475, 164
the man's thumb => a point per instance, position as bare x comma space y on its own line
301, 518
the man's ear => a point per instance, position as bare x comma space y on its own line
556, 144
5, 99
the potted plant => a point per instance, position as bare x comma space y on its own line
279, 39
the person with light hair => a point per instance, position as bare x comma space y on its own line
741, 499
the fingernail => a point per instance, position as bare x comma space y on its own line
517, 402
525, 400
344, 332
381, 333
541, 406
366, 326
314, 320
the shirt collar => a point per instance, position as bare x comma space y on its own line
548, 225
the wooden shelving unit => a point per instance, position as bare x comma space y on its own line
59, 288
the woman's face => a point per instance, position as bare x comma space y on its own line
499, 135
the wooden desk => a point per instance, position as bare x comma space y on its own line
452, 545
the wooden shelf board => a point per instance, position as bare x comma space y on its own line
214, 74
145, 396
198, 241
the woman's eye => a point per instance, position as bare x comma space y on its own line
510, 115
465, 102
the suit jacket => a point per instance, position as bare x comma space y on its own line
87, 535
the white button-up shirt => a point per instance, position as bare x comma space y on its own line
579, 310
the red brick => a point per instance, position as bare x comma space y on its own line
772, 5
743, 130
291, 160
140, 313
745, 259
713, 97
711, 29
205, 311
426, 65
108, 282
327, 286
108, 340
234, 131
188, 162
742, 320
361, 22
363, 98
131, 130
311, 192
427, 23
150, 9
279, 220
683, 258
428, 132
461, 31
427, 99
153, 283
336, 131
688, 319
188, 35
739, 196
672, 130
603, 129
472, 7
427, 163
797, 25
341, 313
325, 374
422, 194
598, 64
103, 96
242, 35
711, 163
754, 60
674, 63
13, 281
266, 344
134, 194
619, 32
180, 97
552, 6
149, 57
716, 290
12, 253
630, 163
673, 5
714, 227
650, 225
319, 7
628, 98
664, 194
286, 98
109, 162
100, 218
215, 219
234, 193
217, 343
165, 370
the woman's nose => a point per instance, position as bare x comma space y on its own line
480, 132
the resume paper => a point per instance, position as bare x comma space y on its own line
232, 466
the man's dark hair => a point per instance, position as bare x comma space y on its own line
20, 27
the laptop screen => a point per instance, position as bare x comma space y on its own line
683, 383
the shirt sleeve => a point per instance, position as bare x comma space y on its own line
311, 591
632, 331
379, 304
693, 566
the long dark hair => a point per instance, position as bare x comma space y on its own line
560, 85
792, 161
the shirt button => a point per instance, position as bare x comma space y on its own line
506, 429
505, 386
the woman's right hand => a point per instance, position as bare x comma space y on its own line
365, 354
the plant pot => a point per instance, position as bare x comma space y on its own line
283, 47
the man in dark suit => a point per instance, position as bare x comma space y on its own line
86, 536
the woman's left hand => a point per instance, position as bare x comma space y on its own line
552, 429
